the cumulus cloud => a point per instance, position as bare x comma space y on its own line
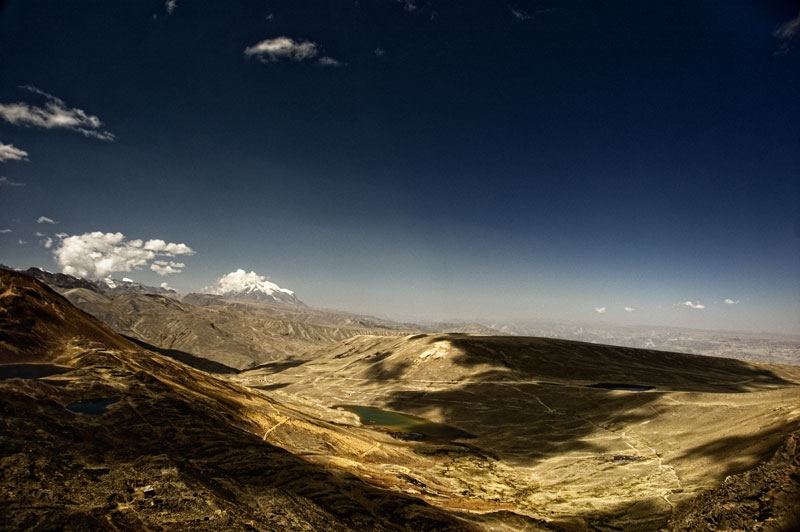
630, 309
696, 305
8, 152
170, 5
45, 220
169, 249
731, 301
54, 114
6, 182
97, 255
162, 267
47, 242
282, 49
600, 310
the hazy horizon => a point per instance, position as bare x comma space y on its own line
614, 163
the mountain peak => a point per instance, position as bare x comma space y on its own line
240, 284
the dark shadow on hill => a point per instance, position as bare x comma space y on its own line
744, 450
189, 359
278, 366
521, 420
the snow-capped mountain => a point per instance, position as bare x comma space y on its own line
250, 285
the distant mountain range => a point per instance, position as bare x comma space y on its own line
104, 286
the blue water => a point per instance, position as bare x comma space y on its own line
92, 407
30, 371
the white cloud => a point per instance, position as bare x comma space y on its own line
8, 152
22, 242
165, 286
97, 255
47, 242
282, 49
162, 267
696, 305
329, 62
5, 231
53, 115
163, 248
45, 220
630, 309
170, 6
600, 310
731, 301
6, 182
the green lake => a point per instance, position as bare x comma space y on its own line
405, 426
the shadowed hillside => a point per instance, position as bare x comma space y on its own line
607, 435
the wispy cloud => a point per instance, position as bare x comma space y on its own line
408, 5
786, 33
695, 305
3, 231
170, 5
600, 310
47, 242
379, 52
8, 152
97, 255
630, 309
54, 114
329, 62
6, 182
729, 301
45, 220
522, 15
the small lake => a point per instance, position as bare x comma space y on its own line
30, 371
92, 407
623, 387
405, 426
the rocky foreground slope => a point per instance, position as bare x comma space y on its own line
113, 437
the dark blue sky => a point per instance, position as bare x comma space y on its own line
458, 159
